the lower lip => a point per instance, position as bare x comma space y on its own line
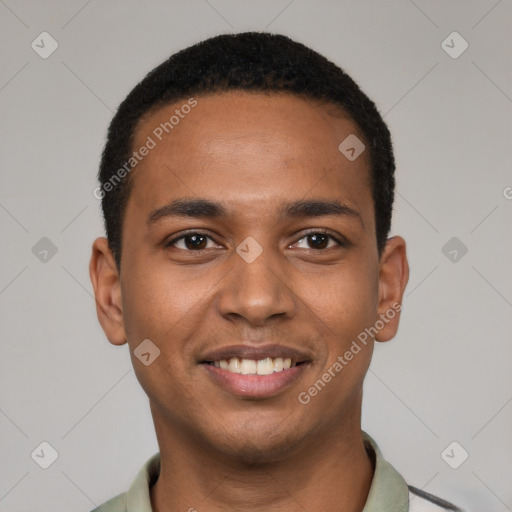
255, 386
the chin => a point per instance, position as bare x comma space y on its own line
259, 444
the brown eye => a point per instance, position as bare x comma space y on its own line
195, 241
318, 240
190, 242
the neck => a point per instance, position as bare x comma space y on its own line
330, 472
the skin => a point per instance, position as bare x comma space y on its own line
253, 153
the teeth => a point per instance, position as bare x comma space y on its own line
234, 365
278, 364
248, 367
265, 366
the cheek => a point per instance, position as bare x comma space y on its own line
167, 309
161, 305
344, 302
158, 308
342, 306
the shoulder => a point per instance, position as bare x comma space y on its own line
115, 504
421, 501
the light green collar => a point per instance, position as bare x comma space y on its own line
389, 491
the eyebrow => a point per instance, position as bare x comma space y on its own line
206, 208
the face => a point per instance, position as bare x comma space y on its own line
249, 260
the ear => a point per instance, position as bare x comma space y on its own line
393, 277
107, 291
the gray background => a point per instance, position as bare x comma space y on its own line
446, 377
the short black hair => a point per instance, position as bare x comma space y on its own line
250, 61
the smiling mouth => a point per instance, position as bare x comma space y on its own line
266, 366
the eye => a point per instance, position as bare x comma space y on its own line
318, 240
193, 241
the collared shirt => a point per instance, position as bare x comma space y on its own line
388, 491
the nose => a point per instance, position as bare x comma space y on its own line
257, 291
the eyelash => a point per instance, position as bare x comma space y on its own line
340, 242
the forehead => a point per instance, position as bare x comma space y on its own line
247, 145
237, 113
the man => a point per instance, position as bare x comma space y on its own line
247, 186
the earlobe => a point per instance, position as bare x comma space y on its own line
107, 291
393, 277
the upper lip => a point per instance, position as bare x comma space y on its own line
256, 353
